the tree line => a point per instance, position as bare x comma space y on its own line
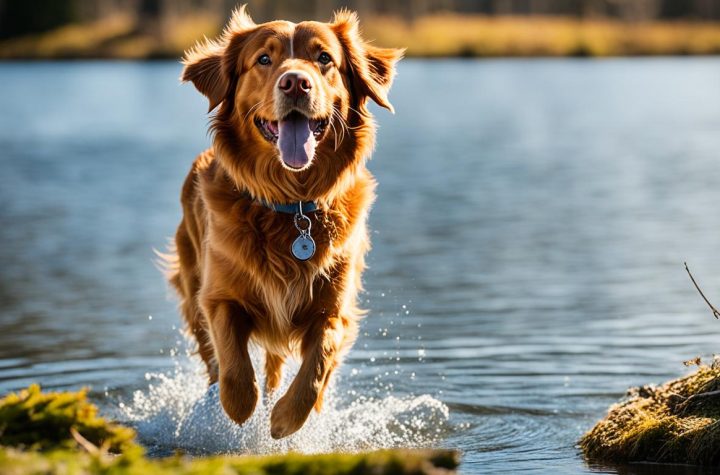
19, 17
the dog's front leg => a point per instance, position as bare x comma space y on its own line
320, 348
230, 328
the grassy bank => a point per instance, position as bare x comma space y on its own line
438, 35
61, 433
678, 422
476, 36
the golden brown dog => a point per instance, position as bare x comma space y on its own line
272, 241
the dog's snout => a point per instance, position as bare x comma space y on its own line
295, 84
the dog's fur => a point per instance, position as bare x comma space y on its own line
237, 279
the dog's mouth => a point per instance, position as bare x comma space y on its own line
296, 137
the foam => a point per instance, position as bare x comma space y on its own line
179, 411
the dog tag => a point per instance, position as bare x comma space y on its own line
303, 247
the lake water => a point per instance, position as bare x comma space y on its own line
529, 237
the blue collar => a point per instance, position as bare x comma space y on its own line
299, 207
288, 208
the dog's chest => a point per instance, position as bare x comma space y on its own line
280, 289
256, 249
290, 244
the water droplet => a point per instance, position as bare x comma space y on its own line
178, 411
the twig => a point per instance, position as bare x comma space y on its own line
683, 406
715, 311
83, 442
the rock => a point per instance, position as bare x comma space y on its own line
678, 422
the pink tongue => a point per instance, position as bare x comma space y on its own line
296, 140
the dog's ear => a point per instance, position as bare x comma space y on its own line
209, 64
372, 69
203, 67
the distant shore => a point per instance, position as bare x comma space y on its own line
441, 35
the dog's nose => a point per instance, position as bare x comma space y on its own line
295, 84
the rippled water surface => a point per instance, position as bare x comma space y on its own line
529, 235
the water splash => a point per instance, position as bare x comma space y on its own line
179, 411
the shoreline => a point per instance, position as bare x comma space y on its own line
63, 433
441, 35
177, 59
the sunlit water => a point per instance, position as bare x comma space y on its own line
528, 240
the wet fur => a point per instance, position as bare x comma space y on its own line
232, 268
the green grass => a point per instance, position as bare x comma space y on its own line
61, 433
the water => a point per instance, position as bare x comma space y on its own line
529, 235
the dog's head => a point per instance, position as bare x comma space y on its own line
290, 94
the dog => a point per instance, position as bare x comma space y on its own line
272, 242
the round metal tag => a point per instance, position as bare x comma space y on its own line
303, 248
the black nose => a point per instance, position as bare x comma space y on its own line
295, 84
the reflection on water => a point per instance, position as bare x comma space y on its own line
532, 221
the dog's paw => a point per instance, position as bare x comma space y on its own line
238, 401
288, 416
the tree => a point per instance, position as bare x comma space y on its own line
19, 18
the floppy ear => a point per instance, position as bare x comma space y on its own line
372, 68
203, 67
207, 65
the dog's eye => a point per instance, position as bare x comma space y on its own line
324, 58
264, 60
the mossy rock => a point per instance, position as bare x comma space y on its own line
35, 420
61, 433
678, 422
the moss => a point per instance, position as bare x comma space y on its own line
71, 462
47, 433
678, 422
44, 421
